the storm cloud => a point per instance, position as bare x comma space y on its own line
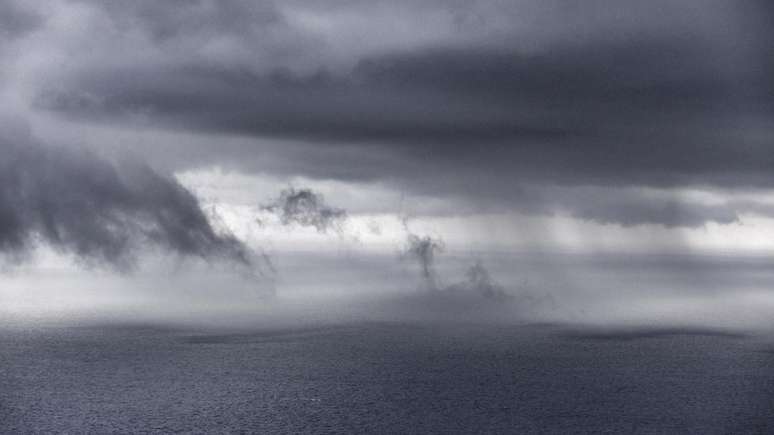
103, 213
16, 20
477, 101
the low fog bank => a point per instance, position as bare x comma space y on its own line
600, 294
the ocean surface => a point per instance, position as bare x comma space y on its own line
384, 378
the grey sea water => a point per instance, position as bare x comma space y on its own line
384, 378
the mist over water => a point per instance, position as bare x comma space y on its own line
644, 291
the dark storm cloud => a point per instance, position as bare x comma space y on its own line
668, 213
80, 204
16, 20
664, 95
630, 207
445, 99
181, 19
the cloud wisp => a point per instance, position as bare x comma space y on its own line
306, 208
479, 281
423, 250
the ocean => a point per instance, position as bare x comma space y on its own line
384, 377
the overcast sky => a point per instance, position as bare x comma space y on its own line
622, 125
